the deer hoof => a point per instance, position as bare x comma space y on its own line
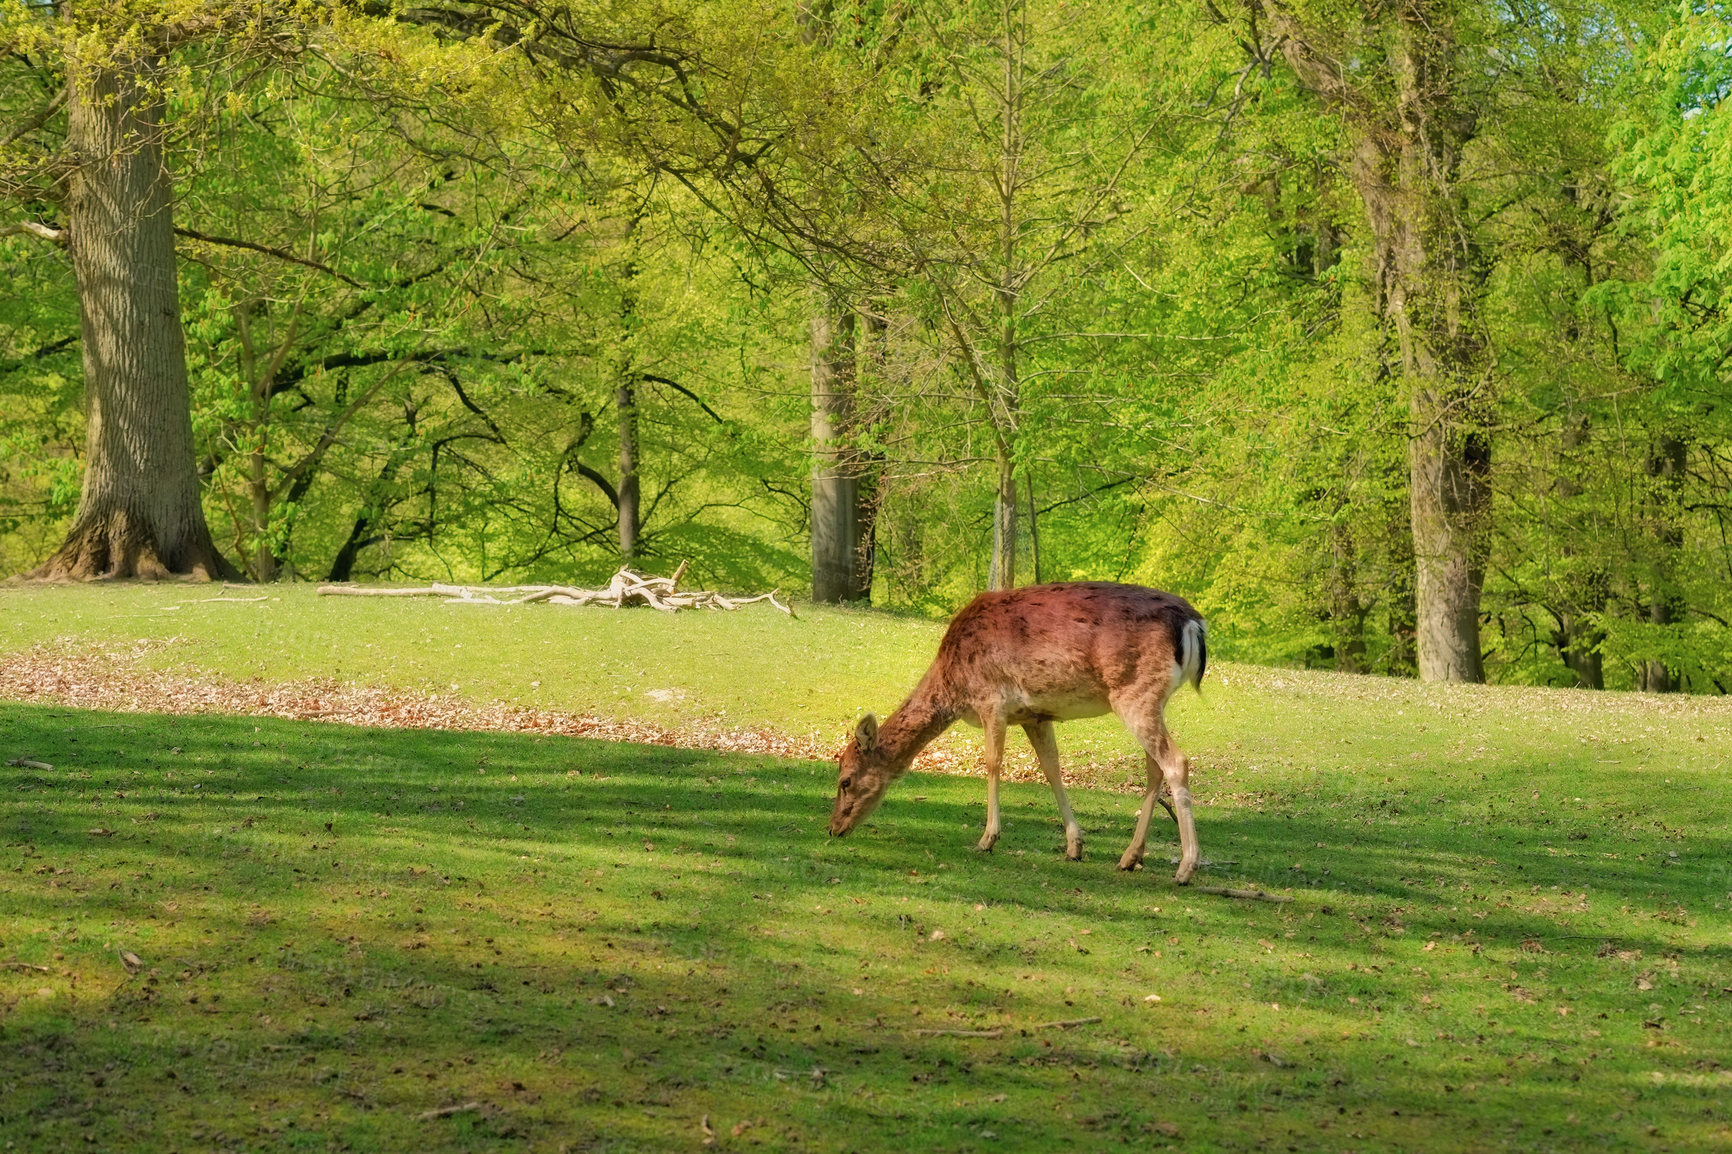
1130, 861
1073, 852
1183, 875
985, 844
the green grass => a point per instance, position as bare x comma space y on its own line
341, 929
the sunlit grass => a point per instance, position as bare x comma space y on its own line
1510, 925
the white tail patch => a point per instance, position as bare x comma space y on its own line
1191, 654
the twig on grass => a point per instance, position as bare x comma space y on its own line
27, 763
26, 966
1248, 895
447, 1111
1065, 1023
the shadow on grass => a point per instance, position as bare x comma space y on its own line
601, 946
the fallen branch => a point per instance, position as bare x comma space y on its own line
26, 763
625, 588
998, 1033
1248, 895
447, 1111
1065, 1023
25, 966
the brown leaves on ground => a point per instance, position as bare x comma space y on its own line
112, 678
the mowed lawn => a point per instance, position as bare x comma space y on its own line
1510, 925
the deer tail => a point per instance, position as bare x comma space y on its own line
1194, 652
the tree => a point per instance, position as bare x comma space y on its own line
1411, 106
140, 513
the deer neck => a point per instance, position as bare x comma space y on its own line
914, 725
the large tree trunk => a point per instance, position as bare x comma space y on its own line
1407, 154
1431, 299
1428, 289
841, 513
139, 515
1449, 498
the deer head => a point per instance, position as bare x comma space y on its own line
866, 771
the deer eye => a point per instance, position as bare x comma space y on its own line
846, 782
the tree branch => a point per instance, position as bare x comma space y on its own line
36, 229
230, 242
675, 385
38, 118
601, 482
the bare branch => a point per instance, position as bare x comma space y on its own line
38, 118
266, 250
36, 229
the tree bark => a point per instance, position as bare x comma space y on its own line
1346, 609
1666, 604
836, 499
139, 514
1002, 574
1585, 594
625, 399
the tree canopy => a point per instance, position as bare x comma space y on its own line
1394, 336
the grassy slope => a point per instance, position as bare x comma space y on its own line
1468, 864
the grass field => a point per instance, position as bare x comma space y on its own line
1510, 925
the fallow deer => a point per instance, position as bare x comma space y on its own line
1033, 656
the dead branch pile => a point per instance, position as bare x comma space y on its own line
626, 588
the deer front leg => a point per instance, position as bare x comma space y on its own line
994, 728
1040, 736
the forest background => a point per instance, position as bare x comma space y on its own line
1393, 334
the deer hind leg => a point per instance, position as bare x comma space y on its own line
1166, 763
994, 760
1133, 854
1040, 736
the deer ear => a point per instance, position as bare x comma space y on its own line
866, 733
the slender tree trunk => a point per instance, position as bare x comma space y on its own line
1346, 609
1578, 636
139, 515
870, 365
1033, 530
836, 503
1002, 574
1578, 645
626, 401
1666, 605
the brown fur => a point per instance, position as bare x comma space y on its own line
1031, 657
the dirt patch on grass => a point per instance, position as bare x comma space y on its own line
115, 678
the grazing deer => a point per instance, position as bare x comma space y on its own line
1033, 656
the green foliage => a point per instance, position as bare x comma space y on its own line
1118, 250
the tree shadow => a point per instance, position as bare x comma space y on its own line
339, 930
